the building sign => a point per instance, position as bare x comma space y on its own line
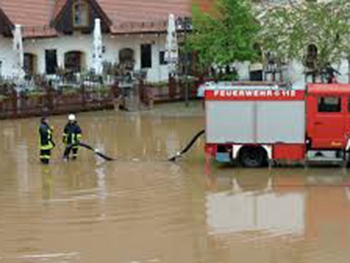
231, 94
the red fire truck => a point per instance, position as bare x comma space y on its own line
266, 124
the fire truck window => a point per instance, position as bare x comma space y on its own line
329, 104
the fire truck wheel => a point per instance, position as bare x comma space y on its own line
253, 157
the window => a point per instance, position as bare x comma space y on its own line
80, 13
51, 61
256, 75
126, 55
146, 56
162, 58
73, 61
29, 63
126, 58
311, 57
0, 68
329, 104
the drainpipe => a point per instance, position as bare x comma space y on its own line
159, 65
186, 63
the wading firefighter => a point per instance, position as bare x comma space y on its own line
46, 141
71, 136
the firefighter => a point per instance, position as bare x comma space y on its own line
71, 136
46, 141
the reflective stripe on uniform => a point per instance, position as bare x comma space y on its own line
74, 138
46, 147
49, 134
45, 157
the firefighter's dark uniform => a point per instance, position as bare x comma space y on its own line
72, 135
46, 142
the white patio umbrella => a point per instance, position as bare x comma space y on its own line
171, 48
18, 71
97, 48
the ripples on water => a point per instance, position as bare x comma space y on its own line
144, 209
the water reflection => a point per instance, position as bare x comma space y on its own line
289, 215
22, 157
47, 183
347, 192
237, 211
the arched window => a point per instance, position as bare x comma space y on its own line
30, 63
126, 54
80, 13
126, 58
74, 61
311, 57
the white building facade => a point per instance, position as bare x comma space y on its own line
62, 38
156, 69
6, 56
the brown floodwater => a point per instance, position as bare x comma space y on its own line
143, 209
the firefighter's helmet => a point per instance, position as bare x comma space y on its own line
72, 117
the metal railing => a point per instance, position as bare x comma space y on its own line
43, 96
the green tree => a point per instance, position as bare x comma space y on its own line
289, 29
226, 35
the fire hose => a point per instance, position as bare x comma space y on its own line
86, 146
107, 158
188, 147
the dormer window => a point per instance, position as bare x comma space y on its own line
81, 13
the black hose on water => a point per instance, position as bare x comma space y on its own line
97, 152
188, 147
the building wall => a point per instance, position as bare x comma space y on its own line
6, 56
113, 44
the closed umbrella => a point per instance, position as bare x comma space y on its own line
171, 48
97, 48
18, 72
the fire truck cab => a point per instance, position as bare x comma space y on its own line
257, 124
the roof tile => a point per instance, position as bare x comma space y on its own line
133, 15
121, 11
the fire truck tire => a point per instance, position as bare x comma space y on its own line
253, 157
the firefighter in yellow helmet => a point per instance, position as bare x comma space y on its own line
72, 134
45, 140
